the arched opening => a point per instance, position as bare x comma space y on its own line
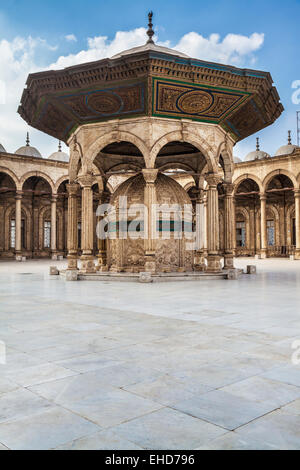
118, 158
36, 199
183, 155
280, 201
7, 215
247, 226
62, 218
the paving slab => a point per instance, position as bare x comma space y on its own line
45, 430
168, 429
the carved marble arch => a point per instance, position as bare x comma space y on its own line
60, 184
283, 177
34, 178
197, 144
226, 162
125, 145
247, 181
9, 177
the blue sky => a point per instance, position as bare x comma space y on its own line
48, 23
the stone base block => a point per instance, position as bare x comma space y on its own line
233, 274
72, 263
263, 254
87, 265
213, 264
145, 277
18, 257
24, 258
54, 257
103, 268
53, 271
71, 275
251, 269
297, 254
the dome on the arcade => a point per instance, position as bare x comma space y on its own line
287, 149
257, 154
59, 156
28, 150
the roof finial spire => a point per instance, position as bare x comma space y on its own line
150, 31
59, 146
257, 143
289, 138
27, 140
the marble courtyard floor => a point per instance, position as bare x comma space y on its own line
117, 365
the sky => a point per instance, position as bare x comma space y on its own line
38, 35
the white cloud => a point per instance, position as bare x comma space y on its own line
100, 47
22, 56
233, 49
71, 38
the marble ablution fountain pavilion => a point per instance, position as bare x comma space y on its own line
148, 116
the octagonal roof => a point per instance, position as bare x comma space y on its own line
150, 80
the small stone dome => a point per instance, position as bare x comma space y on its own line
150, 46
2, 149
287, 149
28, 150
237, 160
59, 156
256, 154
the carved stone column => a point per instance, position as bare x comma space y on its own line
213, 257
263, 226
53, 227
72, 236
87, 233
18, 244
150, 176
297, 222
199, 259
229, 226
101, 243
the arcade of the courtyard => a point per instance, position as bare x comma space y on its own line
261, 205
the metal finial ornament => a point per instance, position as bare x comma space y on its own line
150, 31
59, 146
289, 138
27, 140
257, 143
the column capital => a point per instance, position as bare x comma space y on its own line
297, 193
228, 188
19, 195
86, 181
73, 189
212, 180
150, 175
54, 197
263, 196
